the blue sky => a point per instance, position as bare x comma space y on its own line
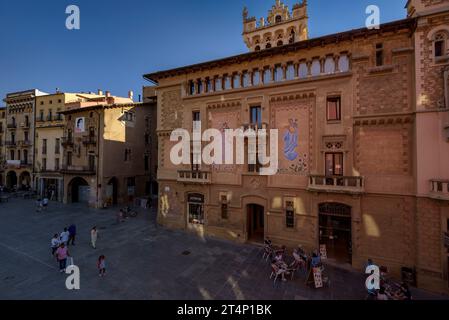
119, 41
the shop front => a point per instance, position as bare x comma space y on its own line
195, 212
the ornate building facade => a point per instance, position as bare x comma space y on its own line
363, 122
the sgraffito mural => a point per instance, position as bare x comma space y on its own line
292, 121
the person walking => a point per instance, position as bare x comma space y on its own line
45, 203
54, 244
94, 237
101, 265
38, 205
61, 255
72, 234
64, 236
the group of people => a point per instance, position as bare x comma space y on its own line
41, 204
60, 243
389, 290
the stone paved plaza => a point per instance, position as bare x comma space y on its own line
144, 261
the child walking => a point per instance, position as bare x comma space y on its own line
101, 266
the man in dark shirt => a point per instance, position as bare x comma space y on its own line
72, 234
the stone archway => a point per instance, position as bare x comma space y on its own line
11, 179
24, 182
79, 191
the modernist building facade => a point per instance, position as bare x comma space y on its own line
107, 153
363, 123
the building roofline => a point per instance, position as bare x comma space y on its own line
408, 23
106, 106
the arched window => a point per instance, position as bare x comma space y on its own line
268, 46
218, 84
290, 71
227, 82
439, 45
246, 79
236, 81
343, 63
278, 74
191, 88
303, 71
267, 75
257, 48
200, 86
329, 65
256, 77
292, 37
280, 43
316, 67
278, 19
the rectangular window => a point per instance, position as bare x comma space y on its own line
41, 115
11, 155
379, 54
44, 164
196, 116
191, 88
334, 164
91, 162
69, 158
333, 108
146, 163
218, 84
290, 215
26, 136
57, 146
57, 164
224, 207
44, 146
256, 116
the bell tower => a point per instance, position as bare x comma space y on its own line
418, 8
281, 26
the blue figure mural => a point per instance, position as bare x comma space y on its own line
291, 140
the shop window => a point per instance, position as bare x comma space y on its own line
333, 108
224, 207
290, 214
195, 208
379, 54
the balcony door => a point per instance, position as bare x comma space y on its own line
334, 167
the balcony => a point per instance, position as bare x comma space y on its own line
81, 170
439, 189
194, 177
25, 125
11, 144
24, 143
11, 126
89, 140
336, 184
25, 164
67, 142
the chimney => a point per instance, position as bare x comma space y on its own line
100, 92
108, 94
131, 94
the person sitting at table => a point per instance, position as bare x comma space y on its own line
405, 290
316, 260
381, 294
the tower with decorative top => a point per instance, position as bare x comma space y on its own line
281, 27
